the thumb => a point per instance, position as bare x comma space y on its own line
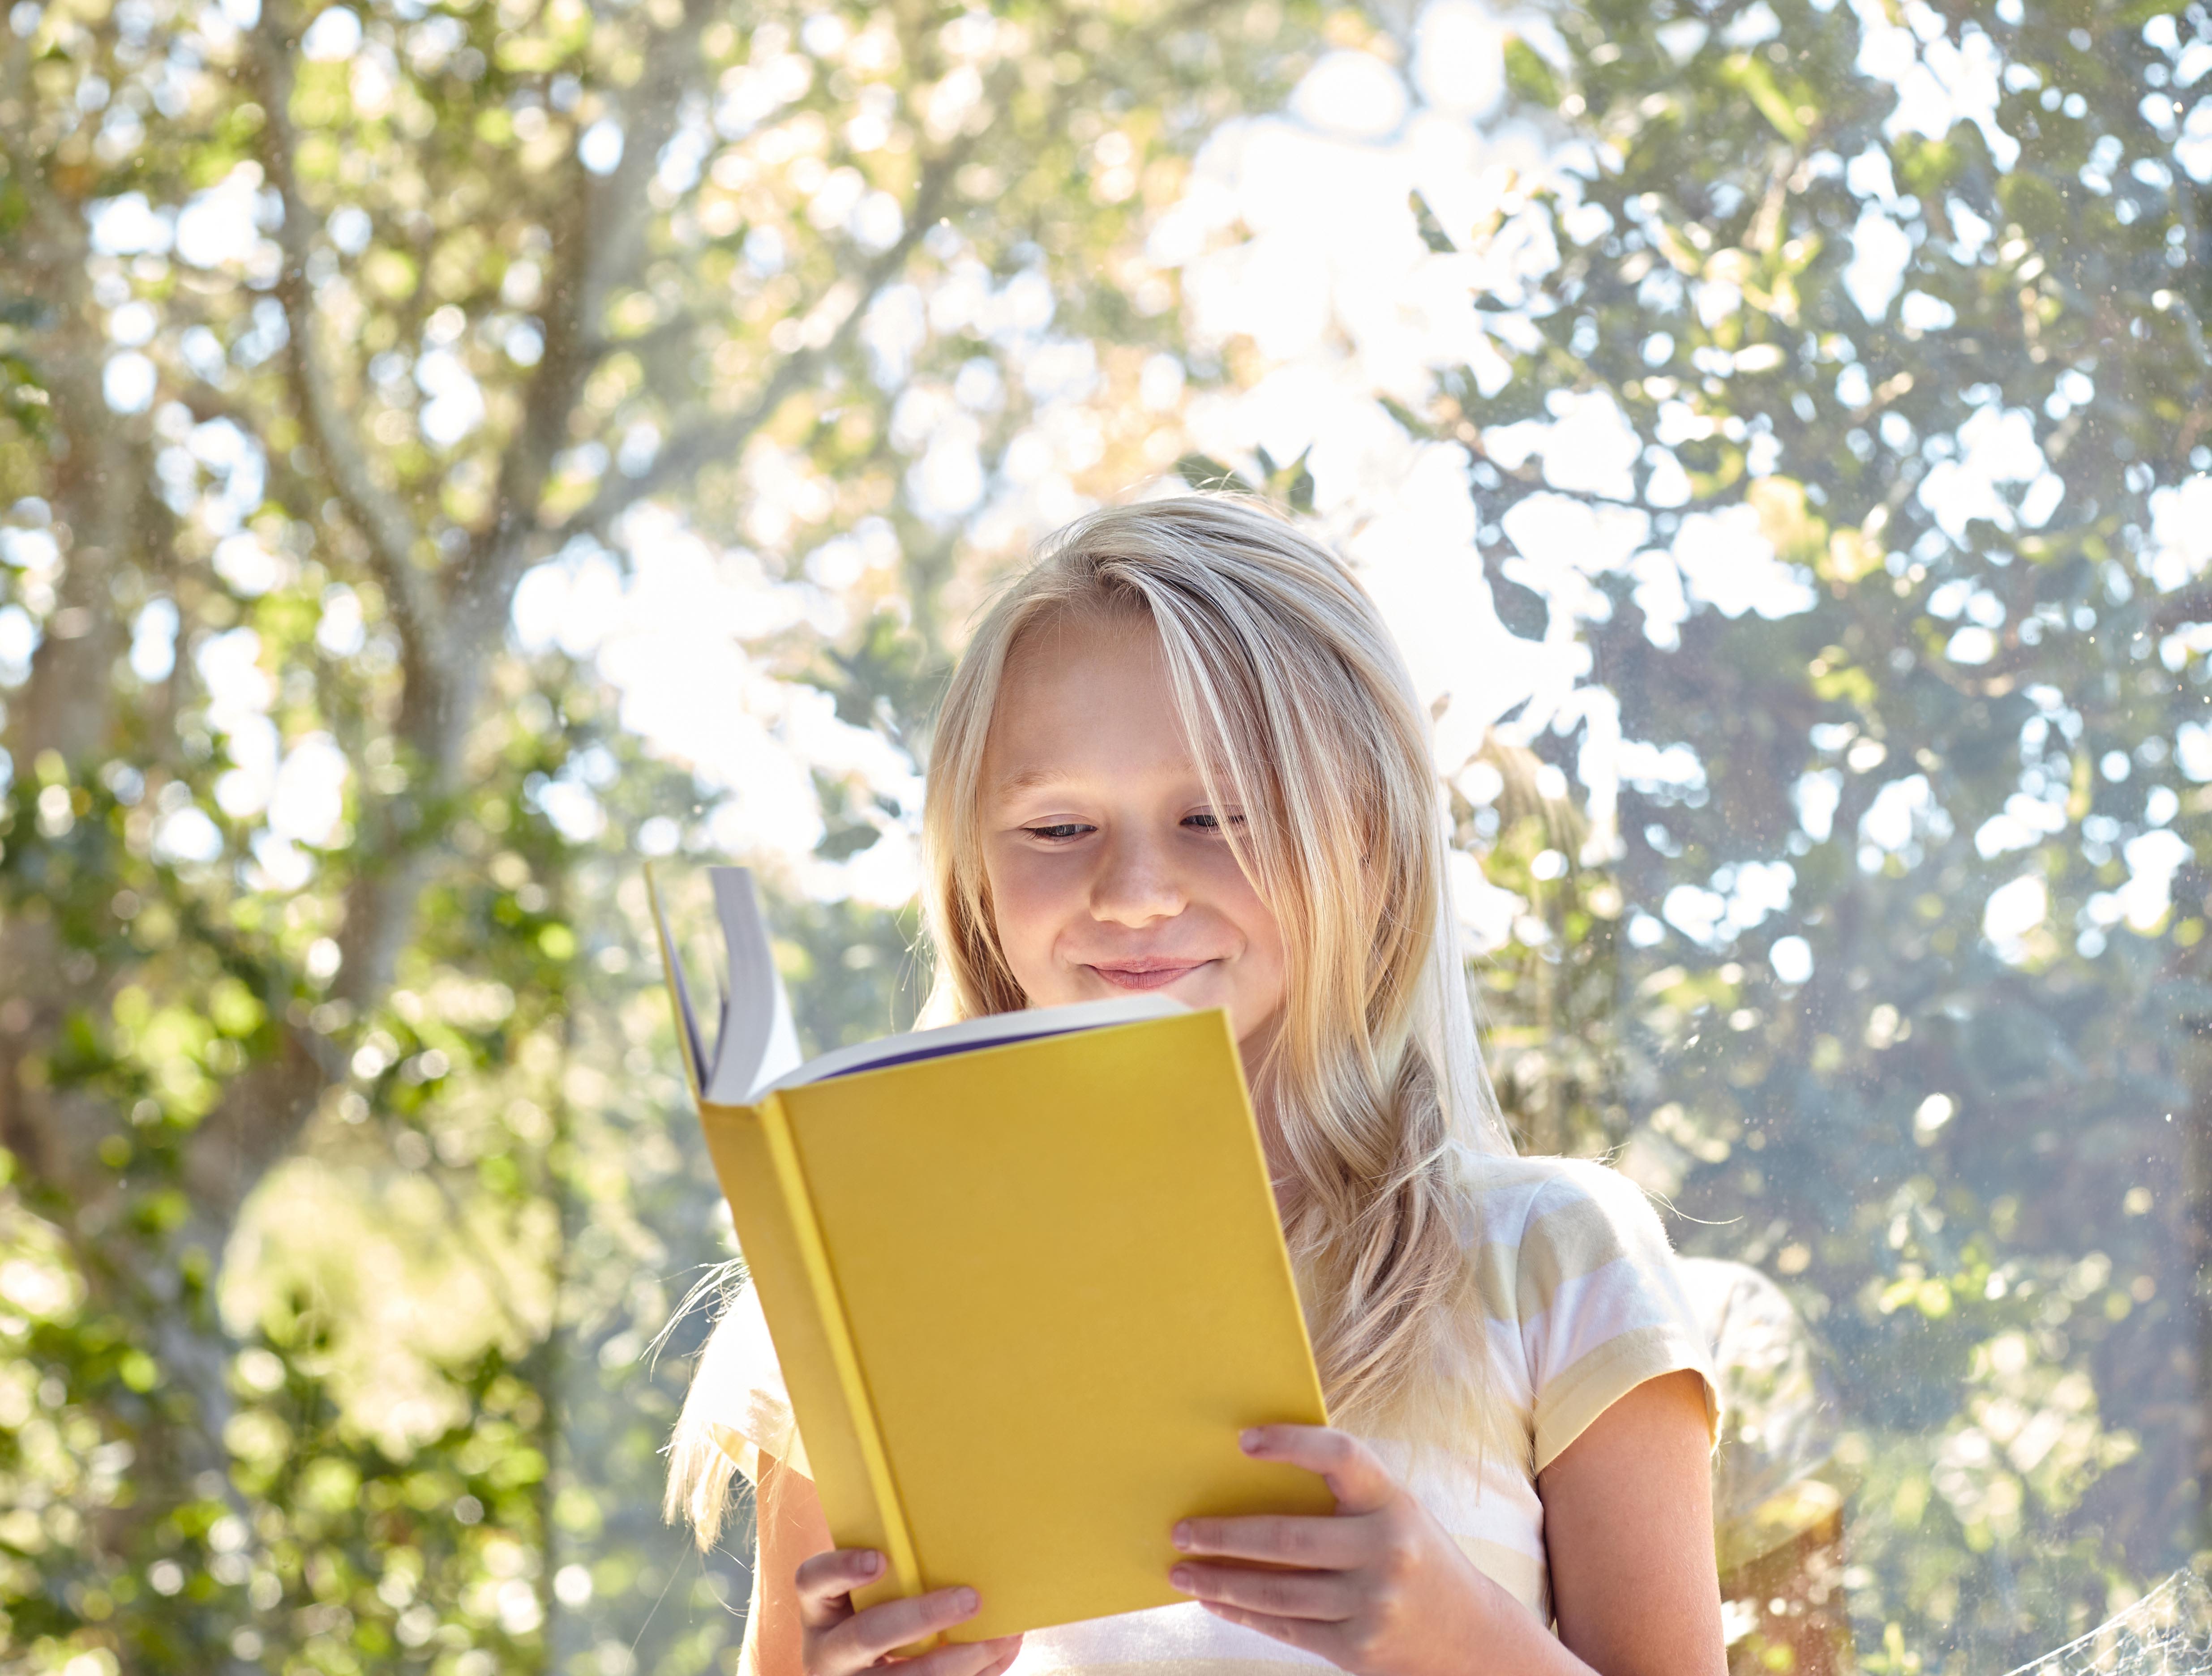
1358, 1480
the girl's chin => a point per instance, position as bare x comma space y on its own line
1199, 987
1202, 994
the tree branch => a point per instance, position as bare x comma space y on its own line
603, 238
720, 437
447, 629
382, 518
2192, 605
648, 342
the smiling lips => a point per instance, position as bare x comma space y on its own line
1147, 974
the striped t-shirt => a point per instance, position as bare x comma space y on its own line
1584, 1305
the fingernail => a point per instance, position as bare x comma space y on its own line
1249, 1441
1180, 1578
871, 1562
1180, 1536
966, 1600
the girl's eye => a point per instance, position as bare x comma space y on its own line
1206, 820
1059, 832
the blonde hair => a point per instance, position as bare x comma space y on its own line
1300, 711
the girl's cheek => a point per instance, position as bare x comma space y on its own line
1261, 1002
1268, 979
1024, 894
1243, 906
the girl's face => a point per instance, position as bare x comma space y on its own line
1110, 872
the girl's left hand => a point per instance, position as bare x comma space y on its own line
1380, 1589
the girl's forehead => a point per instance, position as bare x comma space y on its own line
1084, 699
1067, 655
1078, 630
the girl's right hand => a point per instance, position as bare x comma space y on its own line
836, 1640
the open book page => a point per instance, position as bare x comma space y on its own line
755, 1048
994, 1030
685, 968
758, 1042
753, 1041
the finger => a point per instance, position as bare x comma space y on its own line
1328, 1597
865, 1636
1320, 1544
1302, 1633
967, 1658
1354, 1476
825, 1579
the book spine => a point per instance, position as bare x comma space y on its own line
905, 1571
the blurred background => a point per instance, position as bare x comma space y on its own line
452, 449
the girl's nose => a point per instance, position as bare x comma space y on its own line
1136, 885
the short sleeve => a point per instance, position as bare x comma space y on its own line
740, 1392
1776, 1476
1602, 1306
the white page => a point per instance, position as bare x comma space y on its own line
751, 1006
781, 1056
697, 1060
994, 1029
755, 1046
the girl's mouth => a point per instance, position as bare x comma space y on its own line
1147, 975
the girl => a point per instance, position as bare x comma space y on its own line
1182, 754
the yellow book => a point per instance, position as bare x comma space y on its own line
1025, 1280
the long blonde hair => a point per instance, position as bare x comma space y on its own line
1300, 711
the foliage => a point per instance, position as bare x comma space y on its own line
357, 370
1897, 952
344, 1190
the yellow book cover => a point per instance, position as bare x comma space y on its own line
1025, 1280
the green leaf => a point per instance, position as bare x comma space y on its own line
1201, 471
1409, 421
1432, 230
1527, 76
1756, 80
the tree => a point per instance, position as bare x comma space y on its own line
322, 334
1903, 397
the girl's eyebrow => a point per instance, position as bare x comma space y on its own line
1029, 779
